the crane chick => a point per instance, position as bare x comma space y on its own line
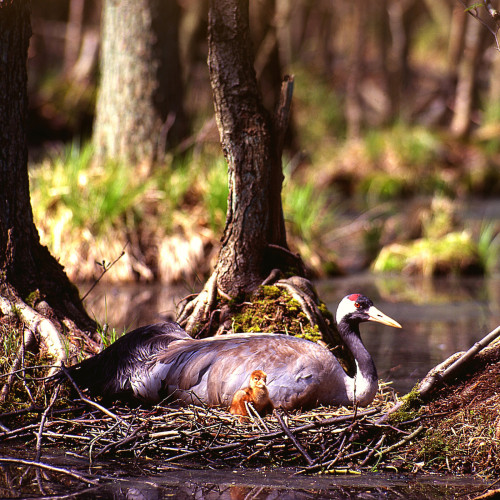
256, 393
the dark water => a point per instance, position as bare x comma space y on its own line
153, 481
268, 485
439, 318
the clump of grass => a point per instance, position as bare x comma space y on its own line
74, 191
309, 216
489, 246
306, 210
455, 253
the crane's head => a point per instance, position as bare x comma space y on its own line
356, 308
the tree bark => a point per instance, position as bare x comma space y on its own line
353, 105
466, 90
139, 111
254, 215
27, 270
254, 241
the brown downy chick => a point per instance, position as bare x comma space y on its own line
256, 393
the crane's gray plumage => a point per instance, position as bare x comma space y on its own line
162, 360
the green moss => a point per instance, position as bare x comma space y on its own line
410, 407
33, 298
272, 309
435, 445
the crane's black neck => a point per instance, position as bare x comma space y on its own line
349, 331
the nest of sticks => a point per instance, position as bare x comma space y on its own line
321, 440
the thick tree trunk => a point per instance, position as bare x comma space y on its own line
139, 110
27, 270
254, 217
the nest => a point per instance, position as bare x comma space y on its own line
324, 439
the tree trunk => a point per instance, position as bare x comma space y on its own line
254, 247
254, 217
254, 240
27, 270
139, 111
466, 91
353, 106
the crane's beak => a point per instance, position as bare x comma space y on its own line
375, 315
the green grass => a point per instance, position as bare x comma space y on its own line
489, 246
215, 195
95, 197
306, 211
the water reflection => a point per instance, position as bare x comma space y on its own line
202, 484
439, 317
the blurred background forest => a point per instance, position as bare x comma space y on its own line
392, 161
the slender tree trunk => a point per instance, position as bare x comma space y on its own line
28, 273
353, 106
254, 240
466, 91
140, 104
254, 218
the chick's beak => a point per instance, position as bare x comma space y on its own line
378, 316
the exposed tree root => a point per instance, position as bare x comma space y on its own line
39, 326
302, 290
41, 329
197, 311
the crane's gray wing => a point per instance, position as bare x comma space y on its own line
109, 373
214, 369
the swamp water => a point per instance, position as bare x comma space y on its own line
439, 318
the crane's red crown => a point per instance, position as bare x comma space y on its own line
354, 296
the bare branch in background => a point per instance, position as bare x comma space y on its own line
494, 14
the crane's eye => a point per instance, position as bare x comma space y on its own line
357, 305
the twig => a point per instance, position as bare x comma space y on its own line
105, 269
52, 468
402, 441
494, 14
124, 441
373, 450
38, 447
251, 410
89, 401
292, 438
